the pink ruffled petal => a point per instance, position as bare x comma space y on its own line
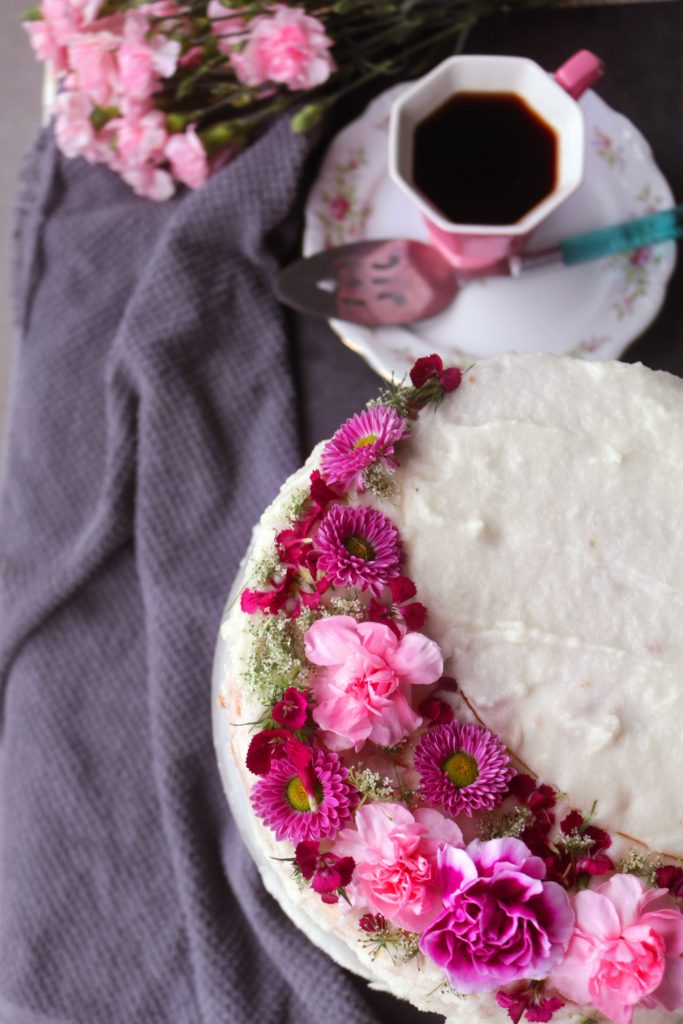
571, 977
625, 893
669, 994
331, 641
396, 721
377, 638
669, 924
596, 915
417, 660
456, 871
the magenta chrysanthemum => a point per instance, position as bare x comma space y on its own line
364, 439
463, 768
359, 547
283, 801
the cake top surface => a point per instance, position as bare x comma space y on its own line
460, 632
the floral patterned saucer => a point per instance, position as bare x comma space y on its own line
592, 311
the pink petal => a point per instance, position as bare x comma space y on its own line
625, 893
330, 641
417, 660
397, 720
456, 871
669, 924
596, 914
439, 829
377, 638
669, 994
571, 977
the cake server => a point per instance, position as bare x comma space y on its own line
399, 280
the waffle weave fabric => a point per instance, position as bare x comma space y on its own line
154, 418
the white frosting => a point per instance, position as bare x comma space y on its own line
539, 508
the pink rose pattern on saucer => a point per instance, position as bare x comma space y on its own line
441, 846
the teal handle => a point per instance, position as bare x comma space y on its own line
657, 227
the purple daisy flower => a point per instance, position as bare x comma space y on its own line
463, 768
359, 547
283, 800
365, 438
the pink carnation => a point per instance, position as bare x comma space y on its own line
144, 61
92, 58
67, 17
73, 128
364, 690
289, 47
75, 133
187, 157
501, 921
396, 861
625, 951
45, 44
141, 138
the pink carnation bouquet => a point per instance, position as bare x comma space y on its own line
165, 92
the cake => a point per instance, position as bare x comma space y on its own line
450, 693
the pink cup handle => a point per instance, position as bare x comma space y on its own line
579, 72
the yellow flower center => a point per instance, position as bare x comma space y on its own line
360, 547
365, 442
297, 797
461, 768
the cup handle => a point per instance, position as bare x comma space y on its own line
579, 72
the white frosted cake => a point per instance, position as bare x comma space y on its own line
449, 693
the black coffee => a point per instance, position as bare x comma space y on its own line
484, 158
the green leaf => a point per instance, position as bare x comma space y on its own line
32, 14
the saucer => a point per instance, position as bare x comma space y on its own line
592, 311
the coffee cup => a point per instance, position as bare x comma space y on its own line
487, 147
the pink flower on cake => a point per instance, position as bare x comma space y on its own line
364, 690
292, 709
431, 368
188, 158
266, 745
359, 547
396, 861
671, 878
367, 438
401, 613
528, 1002
463, 768
289, 47
304, 802
326, 872
501, 921
625, 951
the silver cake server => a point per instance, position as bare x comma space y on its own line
400, 281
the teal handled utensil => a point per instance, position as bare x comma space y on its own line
400, 281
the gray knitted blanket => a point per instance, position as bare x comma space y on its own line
154, 416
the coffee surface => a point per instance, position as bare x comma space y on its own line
484, 158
